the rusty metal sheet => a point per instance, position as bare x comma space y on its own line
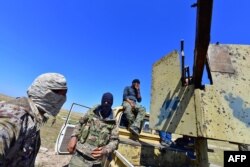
219, 59
172, 106
216, 119
225, 105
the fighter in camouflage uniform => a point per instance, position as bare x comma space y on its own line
22, 118
96, 135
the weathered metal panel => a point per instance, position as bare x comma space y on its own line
219, 59
172, 105
152, 156
225, 106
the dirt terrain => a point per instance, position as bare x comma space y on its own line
47, 158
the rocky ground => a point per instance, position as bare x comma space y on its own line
48, 158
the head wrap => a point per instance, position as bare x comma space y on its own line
41, 92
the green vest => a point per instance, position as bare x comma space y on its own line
96, 131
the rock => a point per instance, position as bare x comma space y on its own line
43, 150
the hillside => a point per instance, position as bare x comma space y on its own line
5, 97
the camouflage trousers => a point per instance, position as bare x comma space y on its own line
78, 160
134, 115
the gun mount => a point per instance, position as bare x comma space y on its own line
219, 111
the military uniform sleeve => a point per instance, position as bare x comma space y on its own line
138, 96
9, 129
4, 142
7, 135
114, 140
78, 126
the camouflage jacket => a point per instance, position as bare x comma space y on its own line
19, 133
92, 131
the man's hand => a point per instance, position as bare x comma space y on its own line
132, 104
99, 152
138, 94
72, 145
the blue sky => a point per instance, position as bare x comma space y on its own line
103, 45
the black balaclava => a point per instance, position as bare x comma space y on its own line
106, 104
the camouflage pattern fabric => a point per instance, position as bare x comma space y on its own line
93, 131
19, 133
41, 92
20, 120
134, 116
79, 161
